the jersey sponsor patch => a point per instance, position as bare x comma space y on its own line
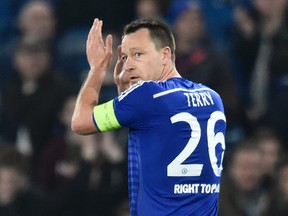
196, 188
105, 118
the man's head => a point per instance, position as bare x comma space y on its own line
159, 32
37, 19
32, 57
245, 168
148, 50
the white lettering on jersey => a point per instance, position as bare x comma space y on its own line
196, 188
199, 99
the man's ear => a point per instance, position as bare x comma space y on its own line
166, 51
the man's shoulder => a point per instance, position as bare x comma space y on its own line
140, 88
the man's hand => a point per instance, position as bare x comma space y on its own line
121, 77
99, 54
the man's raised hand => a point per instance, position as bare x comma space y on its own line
99, 54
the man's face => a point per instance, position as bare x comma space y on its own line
32, 65
142, 61
38, 20
246, 170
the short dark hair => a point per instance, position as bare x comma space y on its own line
159, 31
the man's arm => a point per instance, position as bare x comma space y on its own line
99, 56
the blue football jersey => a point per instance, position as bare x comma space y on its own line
176, 147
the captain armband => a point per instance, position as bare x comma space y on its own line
105, 118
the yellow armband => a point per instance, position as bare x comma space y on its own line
105, 118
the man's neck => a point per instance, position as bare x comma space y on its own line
169, 73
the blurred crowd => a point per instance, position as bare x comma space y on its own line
237, 47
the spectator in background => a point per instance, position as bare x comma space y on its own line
199, 59
279, 204
242, 190
152, 8
35, 19
260, 47
38, 18
271, 149
71, 147
32, 100
218, 16
17, 196
83, 175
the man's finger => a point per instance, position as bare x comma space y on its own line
119, 52
109, 43
98, 31
92, 29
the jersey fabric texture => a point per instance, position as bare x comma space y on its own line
176, 147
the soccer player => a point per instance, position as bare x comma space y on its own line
176, 127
